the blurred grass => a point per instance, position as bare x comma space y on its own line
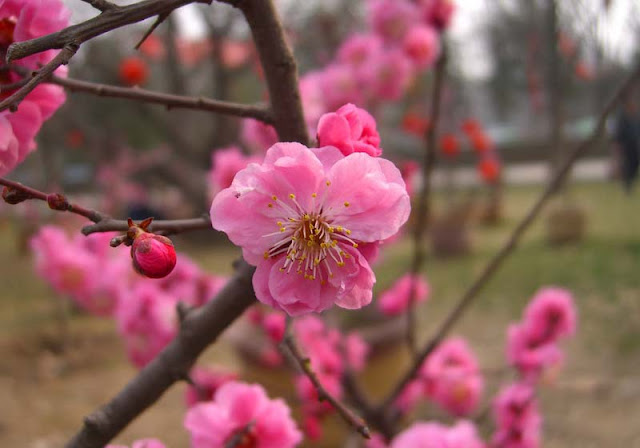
603, 272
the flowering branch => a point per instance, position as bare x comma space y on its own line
424, 200
166, 227
304, 364
258, 112
510, 245
199, 329
62, 58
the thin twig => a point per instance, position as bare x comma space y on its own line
62, 58
510, 245
424, 198
16, 192
161, 18
258, 111
166, 227
304, 364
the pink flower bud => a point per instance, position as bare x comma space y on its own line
153, 255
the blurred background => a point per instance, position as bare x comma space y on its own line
525, 82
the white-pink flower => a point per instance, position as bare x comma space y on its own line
244, 411
300, 217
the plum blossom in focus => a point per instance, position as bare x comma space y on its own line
244, 411
350, 129
301, 216
395, 300
22, 20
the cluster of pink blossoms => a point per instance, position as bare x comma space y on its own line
310, 219
450, 376
242, 415
271, 326
100, 280
331, 353
432, 435
532, 344
206, 382
22, 20
518, 421
396, 299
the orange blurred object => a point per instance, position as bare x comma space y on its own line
75, 138
133, 71
415, 124
153, 48
471, 126
489, 169
449, 145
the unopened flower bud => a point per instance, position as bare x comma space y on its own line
57, 201
13, 196
153, 255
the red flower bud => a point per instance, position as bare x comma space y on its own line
133, 71
153, 255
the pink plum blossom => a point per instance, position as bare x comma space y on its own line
528, 354
356, 351
350, 129
435, 435
300, 217
395, 300
242, 410
422, 45
518, 421
411, 395
392, 18
551, 314
357, 49
257, 135
206, 383
452, 377
274, 326
391, 74
143, 443
21, 20
147, 320
438, 13
340, 86
226, 162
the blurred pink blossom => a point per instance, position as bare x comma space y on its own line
395, 300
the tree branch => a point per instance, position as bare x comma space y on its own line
424, 198
258, 112
510, 245
304, 364
62, 58
101, 5
15, 193
199, 329
108, 20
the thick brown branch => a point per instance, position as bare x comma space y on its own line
101, 5
279, 67
257, 112
45, 72
199, 329
323, 395
510, 245
424, 197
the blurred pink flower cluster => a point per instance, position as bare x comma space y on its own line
518, 421
242, 415
450, 377
100, 280
272, 325
435, 435
532, 344
22, 20
396, 299
331, 354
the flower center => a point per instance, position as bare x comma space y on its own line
309, 241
